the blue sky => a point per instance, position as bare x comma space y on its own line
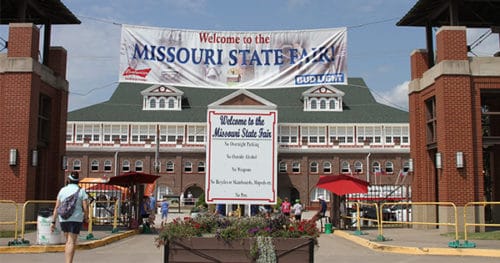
378, 50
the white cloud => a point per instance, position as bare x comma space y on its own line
395, 97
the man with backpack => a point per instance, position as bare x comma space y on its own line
72, 224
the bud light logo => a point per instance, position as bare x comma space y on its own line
319, 79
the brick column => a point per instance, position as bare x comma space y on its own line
24, 40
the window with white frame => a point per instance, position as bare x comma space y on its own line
201, 167
94, 165
313, 134
92, 131
358, 167
371, 133
313, 167
107, 165
139, 165
288, 134
125, 166
170, 167
282, 167
171, 133
196, 133
112, 132
327, 167
152, 103
163, 190
69, 132
322, 104
343, 134
77, 165
389, 167
317, 192
188, 167
393, 133
314, 104
296, 167
140, 133
406, 166
345, 167
161, 103
171, 103
376, 168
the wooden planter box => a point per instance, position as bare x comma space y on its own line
210, 249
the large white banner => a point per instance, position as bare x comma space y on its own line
241, 157
222, 59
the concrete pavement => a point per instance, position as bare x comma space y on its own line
401, 244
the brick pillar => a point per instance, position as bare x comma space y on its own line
57, 61
419, 63
451, 43
24, 40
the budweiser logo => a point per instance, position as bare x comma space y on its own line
136, 72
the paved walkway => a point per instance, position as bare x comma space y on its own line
400, 241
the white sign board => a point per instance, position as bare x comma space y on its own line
230, 59
241, 157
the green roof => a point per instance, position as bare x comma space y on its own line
125, 105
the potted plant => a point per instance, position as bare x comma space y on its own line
248, 239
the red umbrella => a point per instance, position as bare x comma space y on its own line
342, 184
133, 178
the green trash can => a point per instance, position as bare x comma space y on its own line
328, 228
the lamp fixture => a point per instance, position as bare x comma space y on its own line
34, 158
439, 164
460, 159
13, 157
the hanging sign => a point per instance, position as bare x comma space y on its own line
228, 59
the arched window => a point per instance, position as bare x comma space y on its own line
161, 103
345, 167
152, 103
282, 167
201, 167
77, 165
171, 103
358, 167
376, 167
389, 167
406, 166
296, 167
332, 104
107, 165
138, 166
317, 192
327, 167
125, 166
314, 104
170, 167
322, 104
313, 167
188, 167
94, 165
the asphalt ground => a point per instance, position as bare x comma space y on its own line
399, 245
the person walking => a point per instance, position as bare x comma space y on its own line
164, 211
297, 210
285, 207
72, 225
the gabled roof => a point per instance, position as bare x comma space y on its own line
437, 13
162, 90
323, 91
359, 106
36, 12
242, 99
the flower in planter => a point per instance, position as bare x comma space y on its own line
229, 228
